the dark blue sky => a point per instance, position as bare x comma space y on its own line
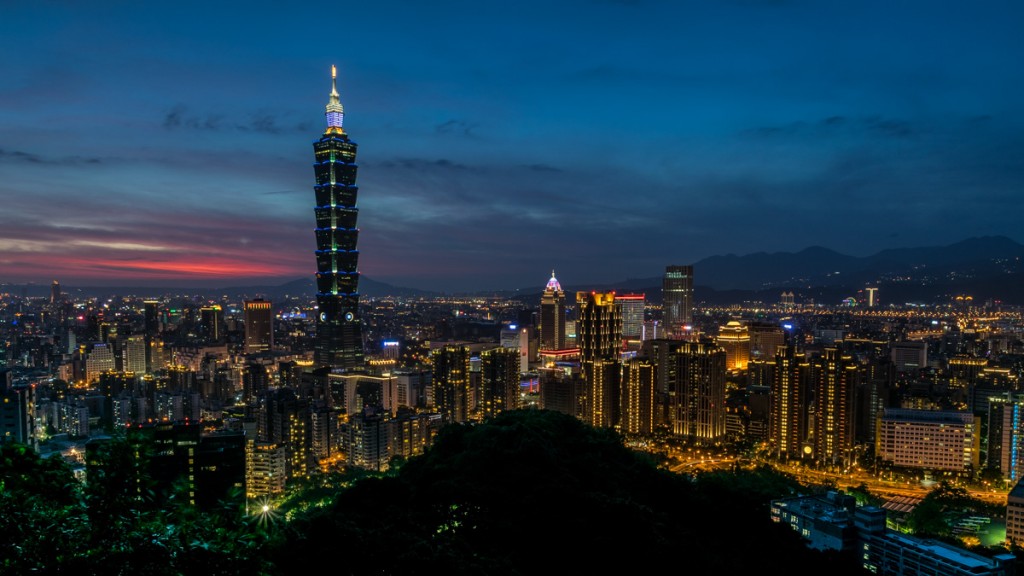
170, 142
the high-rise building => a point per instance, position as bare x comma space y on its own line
734, 337
133, 354
1006, 437
259, 325
677, 299
211, 323
552, 316
835, 381
151, 317
451, 382
909, 356
599, 337
698, 404
632, 315
938, 440
55, 293
765, 339
790, 395
339, 340
637, 399
499, 380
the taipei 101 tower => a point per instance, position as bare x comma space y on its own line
339, 341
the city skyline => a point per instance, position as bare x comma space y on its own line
604, 140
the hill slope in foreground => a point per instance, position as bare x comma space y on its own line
539, 492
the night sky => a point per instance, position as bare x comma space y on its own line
170, 143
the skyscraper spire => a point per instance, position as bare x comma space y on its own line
553, 284
339, 331
335, 111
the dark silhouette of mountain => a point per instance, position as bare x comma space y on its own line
986, 268
301, 287
368, 287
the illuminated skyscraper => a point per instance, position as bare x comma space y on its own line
339, 340
450, 366
677, 299
499, 369
735, 338
599, 336
698, 405
632, 315
637, 396
790, 391
835, 380
259, 325
211, 322
55, 293
552, 316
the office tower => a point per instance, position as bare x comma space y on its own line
1006, 437
451, 382
339, 340
133, 354
765, 339
151, 317
734, 337
662, 352
677, 299
100, 359
599, 338
55, 294
632, 306
698, 404
499, 381
637, 397
598, 326
936, 440
835, 380
909, 356
552, 316
788, 427
211, 323
258, 316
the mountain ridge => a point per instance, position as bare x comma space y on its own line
990, 265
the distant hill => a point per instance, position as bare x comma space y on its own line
987, 267
302, 286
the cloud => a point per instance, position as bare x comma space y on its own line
263, 121
874, 126
30, 158
459, 127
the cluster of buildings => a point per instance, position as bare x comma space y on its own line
284, 389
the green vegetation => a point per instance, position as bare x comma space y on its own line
528, 492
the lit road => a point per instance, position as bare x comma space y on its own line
878, 486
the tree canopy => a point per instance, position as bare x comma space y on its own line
539, 492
